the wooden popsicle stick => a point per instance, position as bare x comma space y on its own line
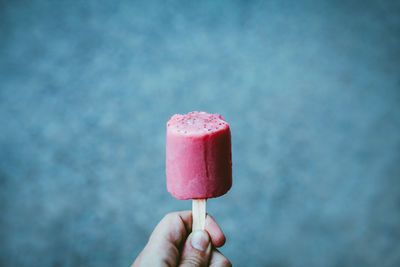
199, 214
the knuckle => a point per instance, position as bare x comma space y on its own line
170, 217
191, 261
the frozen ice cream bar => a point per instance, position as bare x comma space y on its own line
198, 156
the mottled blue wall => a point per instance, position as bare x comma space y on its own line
311, 90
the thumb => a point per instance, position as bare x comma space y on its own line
197, 250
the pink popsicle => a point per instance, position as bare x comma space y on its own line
198, 156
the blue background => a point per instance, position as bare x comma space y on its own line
311, 90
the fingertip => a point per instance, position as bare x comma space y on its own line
217, 236
220, 242
200, 240
197, 250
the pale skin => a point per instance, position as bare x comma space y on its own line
172, 244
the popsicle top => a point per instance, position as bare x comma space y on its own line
198, 156
196, 123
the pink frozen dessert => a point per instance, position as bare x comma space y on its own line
199, 161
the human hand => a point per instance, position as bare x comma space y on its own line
172, 243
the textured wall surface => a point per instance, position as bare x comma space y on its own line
311, 91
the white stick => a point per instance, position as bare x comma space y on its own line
199, 214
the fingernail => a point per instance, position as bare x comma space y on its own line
200, 240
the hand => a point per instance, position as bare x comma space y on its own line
173, 244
